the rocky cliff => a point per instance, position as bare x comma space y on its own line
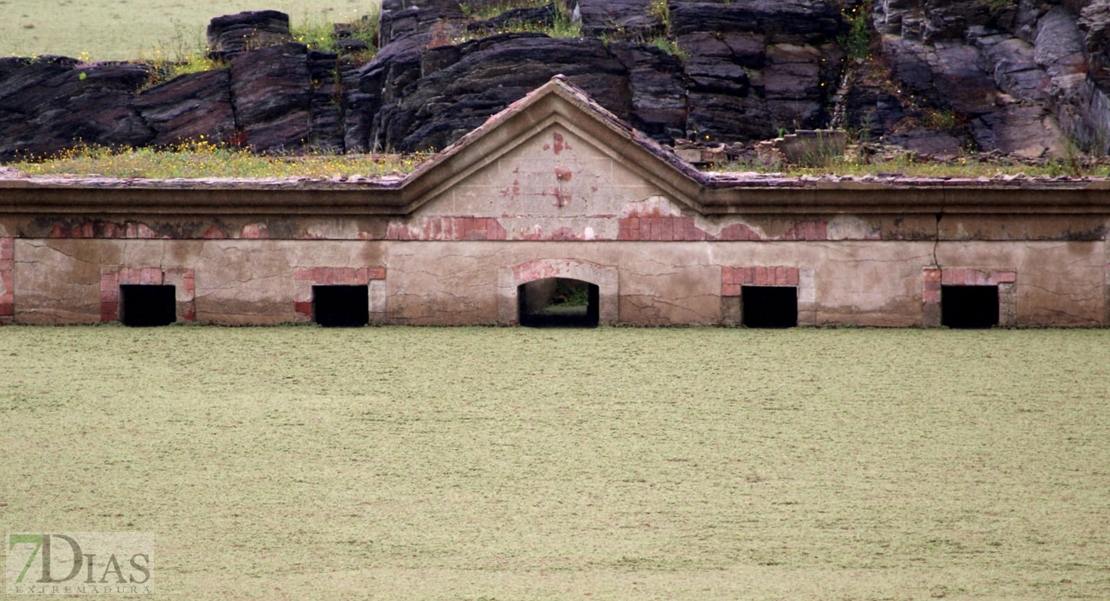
1026, 78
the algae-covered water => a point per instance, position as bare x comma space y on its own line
471, 463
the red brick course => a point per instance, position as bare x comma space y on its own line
936, 277
110, 283
644, 227
932, 286
733, 278
7, 279
962, 276
328, 276
448, 228
682, 228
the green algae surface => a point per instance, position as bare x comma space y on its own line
494, 463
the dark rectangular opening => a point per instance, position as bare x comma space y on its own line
147, 305
341, 306
969, 307
559, 303
769, 306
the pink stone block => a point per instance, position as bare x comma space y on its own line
730, 290
1005, 277
254, 231
622, 230
474, 228
728, 275
953, 277
821, 230
689, 230
109, 312
761, 278
494, 230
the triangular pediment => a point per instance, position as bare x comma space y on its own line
554, 147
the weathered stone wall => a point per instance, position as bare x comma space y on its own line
866, 283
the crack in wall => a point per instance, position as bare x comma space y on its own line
936, 239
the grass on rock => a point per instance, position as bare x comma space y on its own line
203, 159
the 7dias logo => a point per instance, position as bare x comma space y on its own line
80, 563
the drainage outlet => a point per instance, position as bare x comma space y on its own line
341, 306
147, 305
969, 307
769, 306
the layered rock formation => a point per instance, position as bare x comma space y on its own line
746, 69
938, 76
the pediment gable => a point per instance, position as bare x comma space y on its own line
554, 148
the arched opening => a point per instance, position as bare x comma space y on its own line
769, 306
147, 305
969, 307
558, 302
341, 306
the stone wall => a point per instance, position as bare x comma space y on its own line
861, 283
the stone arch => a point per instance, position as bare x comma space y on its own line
510, 278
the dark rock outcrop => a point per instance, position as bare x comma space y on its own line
656, 88
188, 107
791, 21
51, 103
232, 34
462, 86
272, 96
626, 19
538, 16
1027, 78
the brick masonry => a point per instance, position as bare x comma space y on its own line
510, 278
654, 227
183, 281
306, 277
7, 280
936, 277
683, 228
447, 228
733, 280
